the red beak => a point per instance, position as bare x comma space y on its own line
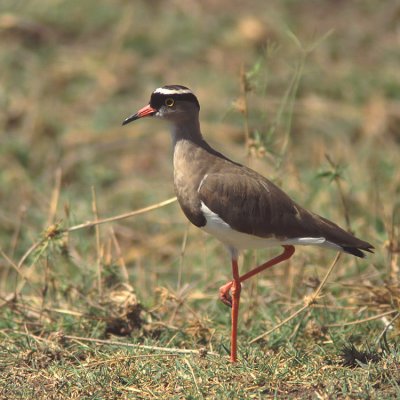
146, 111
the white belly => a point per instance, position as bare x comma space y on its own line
240, 241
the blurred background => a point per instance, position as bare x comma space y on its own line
307, 93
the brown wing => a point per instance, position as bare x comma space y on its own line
251, 204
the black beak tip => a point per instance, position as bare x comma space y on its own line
130, 119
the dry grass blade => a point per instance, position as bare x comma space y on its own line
24, 279
29, 252
194, 377
182, 256
342, 196
245, 88
171, 350
121, 260
144, 210
55, 195
98, 245
11, 262
308, 302
138, 346
394, 246
90, 224
361, 321
388, 326
18, 229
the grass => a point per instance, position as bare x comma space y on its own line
306, 93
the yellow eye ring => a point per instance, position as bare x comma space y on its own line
169, 102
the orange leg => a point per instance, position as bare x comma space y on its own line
235, 288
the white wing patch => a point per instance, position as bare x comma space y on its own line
217, 227
201, 184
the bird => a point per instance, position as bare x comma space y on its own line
233, 203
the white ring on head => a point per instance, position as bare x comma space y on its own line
168, 91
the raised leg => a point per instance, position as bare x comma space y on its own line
224, 290
235, 288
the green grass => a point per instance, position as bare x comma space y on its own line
105, 312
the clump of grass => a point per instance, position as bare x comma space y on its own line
351, 357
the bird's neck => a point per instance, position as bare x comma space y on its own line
187, 130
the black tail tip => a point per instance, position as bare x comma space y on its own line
358, 252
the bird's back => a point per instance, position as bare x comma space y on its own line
248, 202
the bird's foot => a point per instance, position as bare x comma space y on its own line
224, 294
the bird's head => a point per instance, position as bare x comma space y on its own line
172, 102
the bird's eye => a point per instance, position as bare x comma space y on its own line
169, 102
